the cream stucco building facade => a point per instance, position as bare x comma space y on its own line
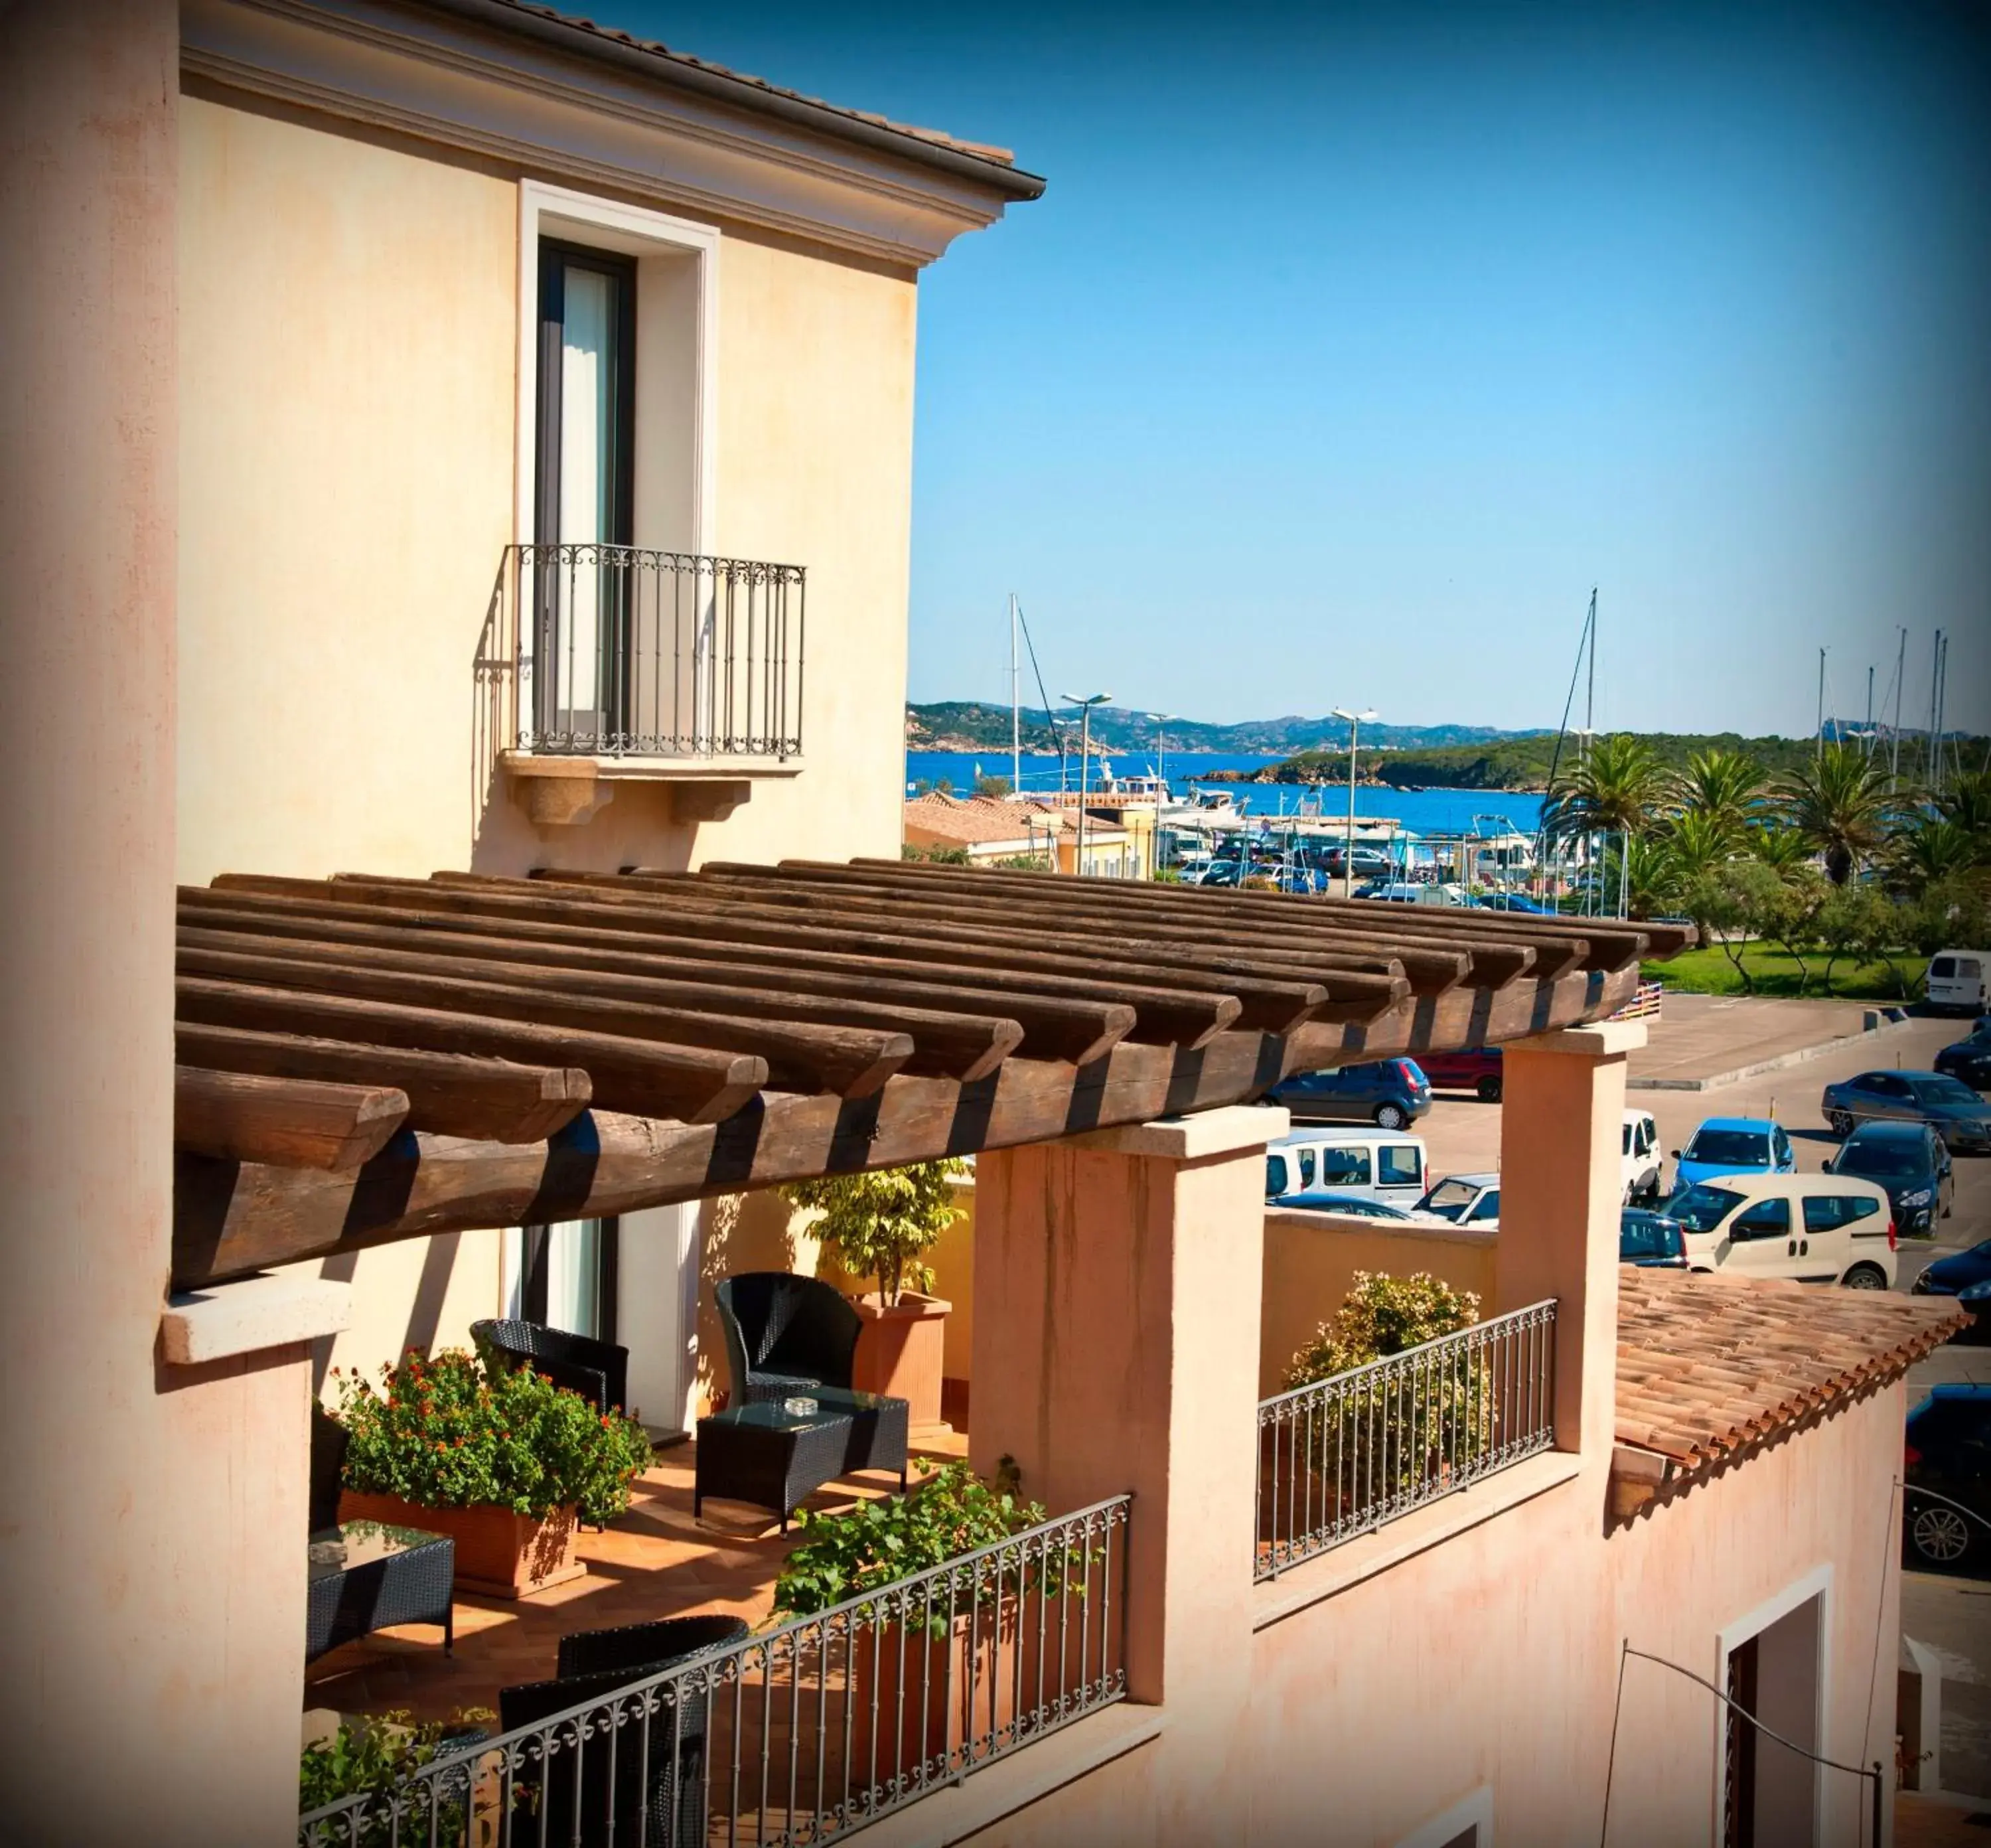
365, 191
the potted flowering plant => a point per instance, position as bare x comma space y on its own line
880, 1225
503, 1461
931, 1675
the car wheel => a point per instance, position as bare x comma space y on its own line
1489, 1090
1938, 1535
1865, 1277
1842, 1124
1389, 1116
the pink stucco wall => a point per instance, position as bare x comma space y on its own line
1492, 1659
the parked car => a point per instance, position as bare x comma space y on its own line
1513, 901
1478, 1071
1955, 981
1390, 1093
1651, 1240
1350, 1205
1948, 1451
1912, 1162
1464, 1199
1377, 1164
1811, 1228
1413, 892
1959, 1272
1912, 1096
1641, 1162
1733, 1146
1968, 1061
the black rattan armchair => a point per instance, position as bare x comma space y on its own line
659, 1791
783, 1334
642, 1649
327, 1467
598, 1370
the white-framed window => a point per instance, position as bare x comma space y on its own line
674, 447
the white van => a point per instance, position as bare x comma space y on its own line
1414, 892
1642, 1158
1812, 1228
1369, 1164
1955, 981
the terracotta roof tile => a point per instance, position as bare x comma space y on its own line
981, 819
978, 150
1708, 1365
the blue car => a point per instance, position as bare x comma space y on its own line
1513, 901
1390, 1093
1733, 1146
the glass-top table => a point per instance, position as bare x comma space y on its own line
776, 1453
364, 1576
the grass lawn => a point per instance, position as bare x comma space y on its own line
1775, 972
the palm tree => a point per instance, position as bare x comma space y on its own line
1727, 786
1619, 787
1933, 850
1697, 842
1967, 802
1840, 803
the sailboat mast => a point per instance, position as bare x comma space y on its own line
1015, 709
1901, 677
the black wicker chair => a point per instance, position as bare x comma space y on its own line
327, 1467
641, 1649
783, 1334
598, 1370
668, 1800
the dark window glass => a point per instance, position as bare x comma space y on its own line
1827, 1212
1745, 1148
1767, 1218
1648, 1238
1943, 968
1343, 1167
1878, 1160
1701, 1209
1397, 1166
1275, 1176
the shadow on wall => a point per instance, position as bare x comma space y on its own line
758, 1231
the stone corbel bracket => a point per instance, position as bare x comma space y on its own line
566, 792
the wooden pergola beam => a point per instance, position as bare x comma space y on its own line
231, 1219
448, 1094
283, 1123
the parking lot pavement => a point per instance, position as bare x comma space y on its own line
1464, 1135
1952, 1617
1707, 1034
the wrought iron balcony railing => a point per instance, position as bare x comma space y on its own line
1345, 1455
805, 1732
613, 651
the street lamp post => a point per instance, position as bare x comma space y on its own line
1356, 721
1085, 751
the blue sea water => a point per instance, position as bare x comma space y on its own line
1421, 811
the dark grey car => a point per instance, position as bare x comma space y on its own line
1912, 1162
1959, 1115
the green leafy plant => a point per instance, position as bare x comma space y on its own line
372, 1756
452, 1432
952, 1512
1385, 1437
880, 1223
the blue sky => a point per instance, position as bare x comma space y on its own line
1348, 348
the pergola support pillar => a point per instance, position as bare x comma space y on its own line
1118, 1280
1561, 1189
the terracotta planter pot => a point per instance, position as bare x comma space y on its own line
937, 1721
498, 1554
900, 1351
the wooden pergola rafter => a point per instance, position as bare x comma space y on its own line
367, 1059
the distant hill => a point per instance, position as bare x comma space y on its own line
1520, 763
975, 725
